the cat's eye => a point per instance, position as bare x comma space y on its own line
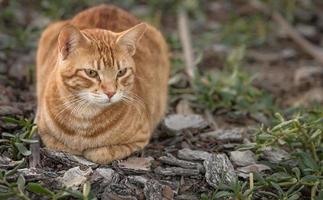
91, 73
122, 72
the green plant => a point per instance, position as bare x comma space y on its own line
232, 89
248, 30
237, 190
17, 144
65, 192
299, 176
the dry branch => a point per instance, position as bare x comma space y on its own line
306, 46
185, 38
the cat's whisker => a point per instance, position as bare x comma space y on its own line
67, 105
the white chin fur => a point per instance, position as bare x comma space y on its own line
102, 99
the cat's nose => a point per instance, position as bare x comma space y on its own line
110, 94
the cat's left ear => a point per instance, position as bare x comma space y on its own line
128, 39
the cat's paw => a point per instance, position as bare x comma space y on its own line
98, 155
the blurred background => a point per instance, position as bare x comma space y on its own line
243, 57
234, 62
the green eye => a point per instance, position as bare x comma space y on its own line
91, 73
122, 72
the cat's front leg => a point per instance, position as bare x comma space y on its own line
52, 143
107, 154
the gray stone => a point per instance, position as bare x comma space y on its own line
244, 172
119, 192
176, 171
156, 191
225, 135
106, 173
275, 155
243, 158
75, 177
136, 164
137, 180
171, 160
178, 122
193, 155
67, 158
219, 169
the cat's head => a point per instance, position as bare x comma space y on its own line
96, 65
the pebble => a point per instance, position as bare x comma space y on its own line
192, 155
245, 171
242, 158
225, 135
275, 155
219, 169
75, 177
179, 122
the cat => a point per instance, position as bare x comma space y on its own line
101, 84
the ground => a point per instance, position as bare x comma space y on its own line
248, 69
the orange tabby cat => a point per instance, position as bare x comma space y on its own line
101, 84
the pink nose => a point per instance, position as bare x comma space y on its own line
110, 94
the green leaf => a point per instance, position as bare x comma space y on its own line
222, 194
307, 160
22, 149
14, 170
4, 140
310, 179
21, 182
6, 195
29, 141
86, 189
11, 120
294, 197
39, 189
8, 135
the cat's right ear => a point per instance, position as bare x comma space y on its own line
69, 39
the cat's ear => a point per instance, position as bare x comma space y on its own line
128, 39
69, 39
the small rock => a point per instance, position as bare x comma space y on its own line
106, 173
155, 191
275, 155
118, 192
243, 158
219, 169
136, 164
35, 174
137, 180
245, 171
193, 155
183, 107
178, 122
174, 185
67, 158
171, 160
187, 197
176, 171
75, 177
225, 135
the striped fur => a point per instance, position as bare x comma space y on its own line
74, 113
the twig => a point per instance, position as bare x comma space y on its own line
309, 48
184, 34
